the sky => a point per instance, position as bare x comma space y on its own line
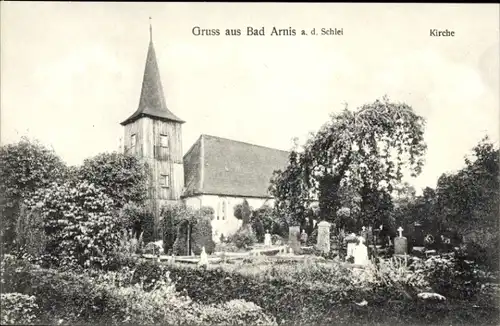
71, 72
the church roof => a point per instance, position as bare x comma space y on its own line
152, 101
220, 166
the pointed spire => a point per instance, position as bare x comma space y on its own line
152, 100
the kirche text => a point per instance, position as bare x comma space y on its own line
445, 33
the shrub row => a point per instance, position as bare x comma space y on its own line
112, 298
301, 299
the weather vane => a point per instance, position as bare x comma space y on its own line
150, 30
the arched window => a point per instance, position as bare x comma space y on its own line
224, 209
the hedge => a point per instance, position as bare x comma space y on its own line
297, 302
97, 297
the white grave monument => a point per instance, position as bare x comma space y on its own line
203, 258
400, 243
267, 239
351, 245
323, 241
361, 253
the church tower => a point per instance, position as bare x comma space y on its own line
154, 134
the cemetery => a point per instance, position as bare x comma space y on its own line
80, 246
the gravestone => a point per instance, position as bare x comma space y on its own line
361, 253
293, 238
400, 243
203, 258
351, 241
364, 233
267, 239
323, 243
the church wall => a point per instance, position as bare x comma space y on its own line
224, 221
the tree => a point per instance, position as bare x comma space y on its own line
469, 199
366, 150
122, 177
290, 192
24, 167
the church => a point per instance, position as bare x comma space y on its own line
215, 172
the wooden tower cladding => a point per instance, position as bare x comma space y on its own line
154, 134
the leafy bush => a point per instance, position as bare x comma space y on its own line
258, 229
202, 236
14, 274
30, 233
179, 218
243, 238
243, 212
452, 277
153, 248
24, 167
80, 224
313, 238
235, 312
168, 217
142, 295
225, 247
180, 247
482, 247
122, 177
17, 308
276, 239
139, 219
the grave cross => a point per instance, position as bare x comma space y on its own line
400, 230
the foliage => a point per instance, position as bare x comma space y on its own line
226, 247
14, 274
294, 292
365, 151
127, 296
244, 238
266, 216
30, 233
180, 247
153, 248
258, 229
122, 177
290, 192
313, 238
243, 212
276, 239
177, 219
202, 235
452, 276
24, 167
138, 219
80, 225
464, 206
168, 227
17, 308
130, 243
